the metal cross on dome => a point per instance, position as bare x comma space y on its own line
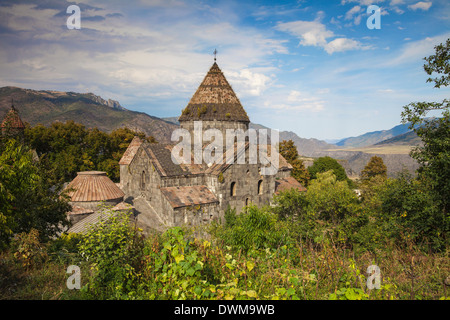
215, 54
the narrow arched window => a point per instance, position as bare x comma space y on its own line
260, 187
233, 189
142, 181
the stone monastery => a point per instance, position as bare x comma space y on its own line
178, 194
164, 193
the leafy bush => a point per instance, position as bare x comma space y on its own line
28, 249
408, 207
254, 228
114, 249
27, 200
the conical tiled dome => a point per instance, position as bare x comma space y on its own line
214, 100
12, 120
93, 186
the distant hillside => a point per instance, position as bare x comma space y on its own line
371, 138
173, 120
405, 139
45, 107
305, 147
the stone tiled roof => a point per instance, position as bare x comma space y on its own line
93, 186
76, 210
131, 151
83, 225
12, 120
287, 183
123, 206
188, 196
161, 156
214, 100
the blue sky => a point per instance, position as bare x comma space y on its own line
312, 67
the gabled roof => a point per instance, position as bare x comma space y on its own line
133, 147
161, 158
188, 196
93, 186
214, 100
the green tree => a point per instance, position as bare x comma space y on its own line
27, 200
290, 203
375, 167
330, 199
324, 164
66, 148
434, 155
409, 212
289, 151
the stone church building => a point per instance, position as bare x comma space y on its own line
166, 193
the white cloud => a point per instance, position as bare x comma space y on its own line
248, 82
295, 101
415, 51
314, 33
361, 2
420, 5
398, 10
350, 13
310, 33
355, 14
342, 44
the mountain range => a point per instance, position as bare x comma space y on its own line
46, 106
379, 137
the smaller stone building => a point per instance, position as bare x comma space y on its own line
90, 192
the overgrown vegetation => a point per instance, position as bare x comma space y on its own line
311, 245
255, 255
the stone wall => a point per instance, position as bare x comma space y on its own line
195, 215
140, 178
249, 187
96, 205
220, 125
